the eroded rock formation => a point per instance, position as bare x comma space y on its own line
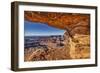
61, 20
77, 35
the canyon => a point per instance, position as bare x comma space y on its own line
76, 38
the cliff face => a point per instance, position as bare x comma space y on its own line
76, 48
76, 38
61, 20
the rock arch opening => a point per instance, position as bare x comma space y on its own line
76, 37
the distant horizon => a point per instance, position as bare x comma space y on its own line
40, 29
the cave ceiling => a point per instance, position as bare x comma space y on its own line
60, 20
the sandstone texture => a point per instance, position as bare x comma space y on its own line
76, 37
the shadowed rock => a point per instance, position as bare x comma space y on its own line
61, 20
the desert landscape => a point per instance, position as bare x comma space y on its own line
74, 43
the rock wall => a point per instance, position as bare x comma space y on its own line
61, 20
76, 38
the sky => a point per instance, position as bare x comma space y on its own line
40, 29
